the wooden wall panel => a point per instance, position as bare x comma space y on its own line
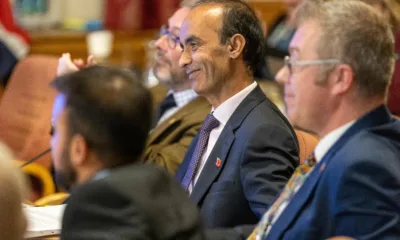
129, 47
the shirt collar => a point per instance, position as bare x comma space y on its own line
224, 111
102, 174
331, 138
183, 97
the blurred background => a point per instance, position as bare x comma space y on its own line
57, 26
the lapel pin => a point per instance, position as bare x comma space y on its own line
218, 162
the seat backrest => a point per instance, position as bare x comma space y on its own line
394, 89
25, 108
45, 185
307, 143
52, 199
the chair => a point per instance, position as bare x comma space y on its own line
52, 199
41, 179
25, 108
307, 143
394, 89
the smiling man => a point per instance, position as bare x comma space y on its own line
246, 150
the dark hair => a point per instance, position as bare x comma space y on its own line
240, 18
110, 109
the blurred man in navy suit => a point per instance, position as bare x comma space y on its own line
336, 79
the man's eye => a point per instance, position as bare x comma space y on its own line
193, 45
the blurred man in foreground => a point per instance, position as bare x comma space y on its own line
102, 117
336, 79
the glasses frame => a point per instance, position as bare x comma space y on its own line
172, 39
290, 64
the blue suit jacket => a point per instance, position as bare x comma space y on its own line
354, 190
259, 153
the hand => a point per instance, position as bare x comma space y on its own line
66, 65
81, 64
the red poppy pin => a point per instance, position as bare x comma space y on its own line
218, 162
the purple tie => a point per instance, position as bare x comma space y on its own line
209, 124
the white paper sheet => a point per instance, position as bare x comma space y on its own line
43, 221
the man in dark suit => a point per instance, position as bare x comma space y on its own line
246, 149
350, 187
180, 111
102, 116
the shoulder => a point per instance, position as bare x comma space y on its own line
370, 155
266, 118
378, 145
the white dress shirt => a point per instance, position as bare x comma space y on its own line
181, 99
320, 150
222, 113
331, 138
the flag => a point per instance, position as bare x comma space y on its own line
14, 41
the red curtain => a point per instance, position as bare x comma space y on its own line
138, 14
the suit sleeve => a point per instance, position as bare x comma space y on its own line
367, 199
170, 156
98, 212
269, 159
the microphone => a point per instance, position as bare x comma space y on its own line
36, 158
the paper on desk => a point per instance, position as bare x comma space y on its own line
43, 221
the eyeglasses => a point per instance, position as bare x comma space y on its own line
290, 63
172, 39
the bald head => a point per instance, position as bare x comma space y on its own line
12, 190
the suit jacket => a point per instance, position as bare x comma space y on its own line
354, 190
132, 202
169, 141
258, 152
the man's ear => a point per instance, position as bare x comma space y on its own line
79, 150
342, 79
236, 46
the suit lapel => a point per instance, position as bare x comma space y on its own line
215, 163
173, 120
377, 117
221, 148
